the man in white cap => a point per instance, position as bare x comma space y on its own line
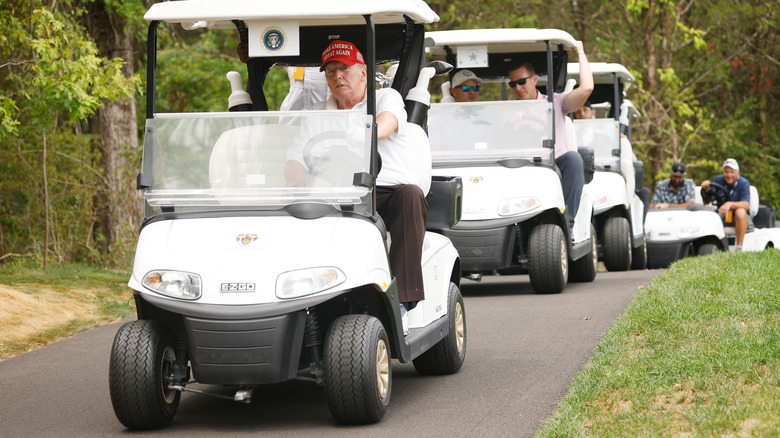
399, 200
465, 86
738, 188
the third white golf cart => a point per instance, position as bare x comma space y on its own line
618, 210
514, 218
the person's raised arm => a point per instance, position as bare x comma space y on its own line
577, 97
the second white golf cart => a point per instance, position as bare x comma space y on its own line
514, 218
240, 281
618, 211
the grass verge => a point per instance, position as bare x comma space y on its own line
697, 354
40, 307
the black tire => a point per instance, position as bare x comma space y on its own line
358, 379
142, 355
639, 255
548, 259
707, 249
447, 356
584, 270
616, 243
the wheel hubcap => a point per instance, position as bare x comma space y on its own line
460, 332
168, 359
382, 368
564, 258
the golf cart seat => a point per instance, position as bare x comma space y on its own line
446, 96
250, 156
421, 147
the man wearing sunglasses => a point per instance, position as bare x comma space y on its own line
522, 81
465, 86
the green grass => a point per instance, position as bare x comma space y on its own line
697, 354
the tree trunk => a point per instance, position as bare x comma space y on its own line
119, 210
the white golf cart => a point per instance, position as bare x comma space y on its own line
240, 281
675, 233
514, 218
618, 210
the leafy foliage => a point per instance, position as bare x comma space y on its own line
57, 81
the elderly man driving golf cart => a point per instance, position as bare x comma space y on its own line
399, 200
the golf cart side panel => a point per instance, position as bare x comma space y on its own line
252, 351
637, 219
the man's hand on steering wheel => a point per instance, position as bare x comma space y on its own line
717, 192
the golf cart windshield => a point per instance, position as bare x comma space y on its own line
603, 135
203, 161
490, 131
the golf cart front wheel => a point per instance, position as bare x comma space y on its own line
707, 249
358, 381
447, 356
548, 259
142, 358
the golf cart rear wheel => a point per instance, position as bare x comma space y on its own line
548, 259
358, 380
447, 356
141, 358
639, 255
584, 270
616, 242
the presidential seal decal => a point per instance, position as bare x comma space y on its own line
246, 239
274, 39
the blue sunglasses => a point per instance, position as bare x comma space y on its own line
467, 88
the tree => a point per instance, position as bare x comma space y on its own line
55, 81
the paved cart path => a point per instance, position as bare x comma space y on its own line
523, 352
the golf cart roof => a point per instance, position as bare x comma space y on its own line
603, 72
501, 40
505, 48
219, 13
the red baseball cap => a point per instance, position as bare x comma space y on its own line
343, 51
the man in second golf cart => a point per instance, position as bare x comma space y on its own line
400, 201
523, 80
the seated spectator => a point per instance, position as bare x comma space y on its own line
676, 191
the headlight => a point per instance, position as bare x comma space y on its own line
304, 282
173, 284
684, 233
514, 206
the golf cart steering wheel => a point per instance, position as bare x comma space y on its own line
322, 159
718, 193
